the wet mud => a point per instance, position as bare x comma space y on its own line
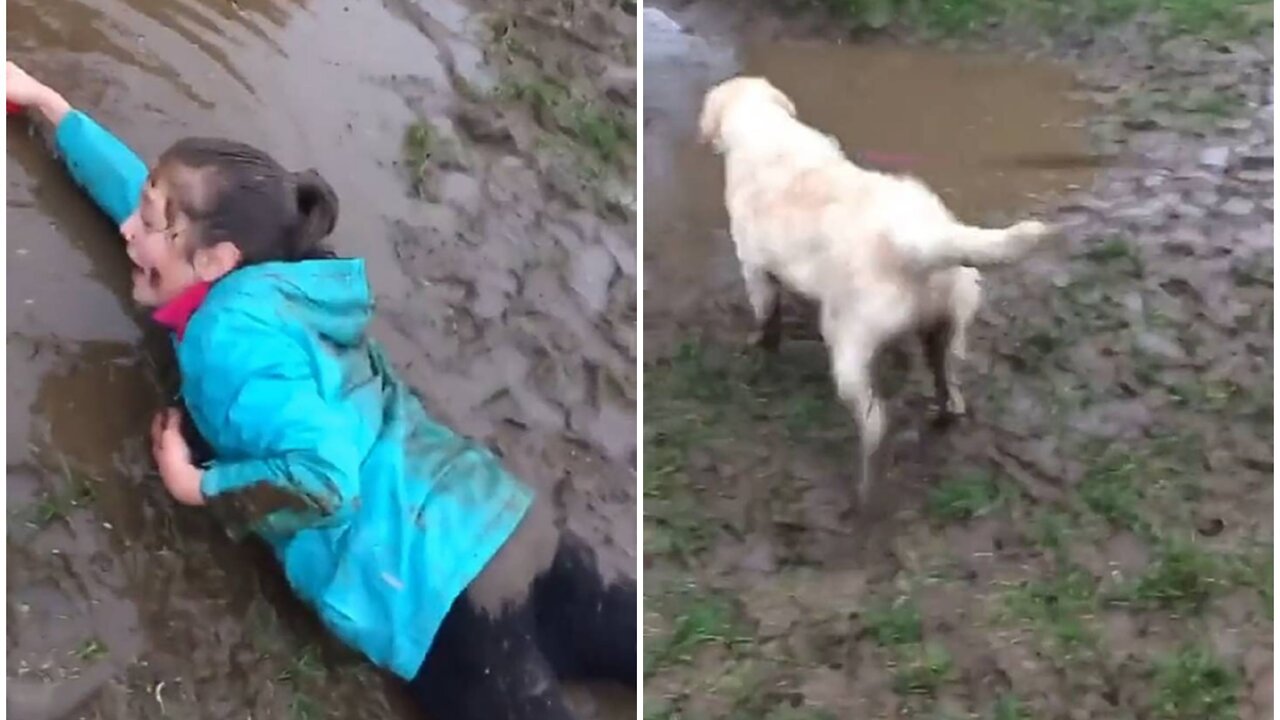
1095, 540
483, 157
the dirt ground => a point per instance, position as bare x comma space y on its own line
483, 156
1096, 540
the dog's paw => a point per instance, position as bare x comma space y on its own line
768, 339
955, 406
947, 417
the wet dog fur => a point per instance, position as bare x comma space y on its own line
880, 254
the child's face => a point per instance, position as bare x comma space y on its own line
160, 241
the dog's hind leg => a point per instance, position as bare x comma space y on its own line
940, 344
764, 293
944, 342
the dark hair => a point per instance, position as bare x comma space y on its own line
236, 193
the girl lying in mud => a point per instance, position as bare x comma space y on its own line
412, 543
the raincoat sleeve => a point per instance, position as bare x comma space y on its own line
296, 466
111, 173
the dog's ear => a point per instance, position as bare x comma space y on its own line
711, 117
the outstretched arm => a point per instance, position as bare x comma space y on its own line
111, 173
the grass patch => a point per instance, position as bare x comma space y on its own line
660, 710
1110, 489
1116, 252
807, 412
1183, 577
922, 669
1215, 18
305, 669
1009, 707
1222, 18
304, 707
420, 142
703, 620
606, 133
304, 666
1143, 490
688, 408
676, 526
1195, 685
91, 650
1060, 607
1050, 530
968, 496
1211, 396
425, 148
1217, 105
895, 623
1255, 568
704, 393
73, 490
696, 373
57, 505
787, 712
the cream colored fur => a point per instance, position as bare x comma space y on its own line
880, 254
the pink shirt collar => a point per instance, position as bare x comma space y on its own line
176, 313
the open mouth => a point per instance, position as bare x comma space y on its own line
150, 275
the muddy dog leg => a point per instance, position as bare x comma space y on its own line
945, 342
764, 293
940, 343
852, 354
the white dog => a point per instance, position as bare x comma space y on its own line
880, 254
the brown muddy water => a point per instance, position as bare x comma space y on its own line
993, 135
506, 296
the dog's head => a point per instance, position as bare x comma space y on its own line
743, 93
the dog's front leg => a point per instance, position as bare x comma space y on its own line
763, 291
851, 361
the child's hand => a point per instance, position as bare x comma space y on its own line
173, 458
22, 89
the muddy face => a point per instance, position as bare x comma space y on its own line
161, 243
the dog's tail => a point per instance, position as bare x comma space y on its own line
966, 245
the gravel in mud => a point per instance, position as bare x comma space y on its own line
1095, 542
483, 156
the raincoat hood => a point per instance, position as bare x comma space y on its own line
330, 297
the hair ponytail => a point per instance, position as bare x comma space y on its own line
317, 212
239, 194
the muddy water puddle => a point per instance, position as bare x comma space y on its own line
506, 301
993, 135
1091, 352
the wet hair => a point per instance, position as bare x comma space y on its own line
235, 193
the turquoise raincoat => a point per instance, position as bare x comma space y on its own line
380, 515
